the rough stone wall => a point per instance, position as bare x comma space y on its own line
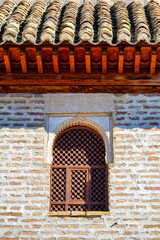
133, 180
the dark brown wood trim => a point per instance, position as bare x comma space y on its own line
88, 60
153, 60
39, 61
80, 89
137, 60
72, 60
79, 79
55, 61
104, 60
23, 61
121, 61
111, 83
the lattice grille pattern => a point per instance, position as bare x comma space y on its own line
98, 185
58, 186
78, 208
97, 207
79, 146
82, 153
57, 208
78, 185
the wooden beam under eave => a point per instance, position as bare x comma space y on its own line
88, 60
79, 89
72, 60
137, 60
55, 61
23, 61
67, 79
104, 60
121, 61
39, 61
7, 61
153, 61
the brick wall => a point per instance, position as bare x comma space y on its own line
133, 181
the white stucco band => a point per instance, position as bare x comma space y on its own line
79, 103
66, 110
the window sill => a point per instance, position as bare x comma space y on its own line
78, 213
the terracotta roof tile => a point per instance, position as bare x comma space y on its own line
141, 28
68, 25
14, 22
123, 22
154, 13
41, 21
105, 32
33, 21
86, 31
51, 22
5, 11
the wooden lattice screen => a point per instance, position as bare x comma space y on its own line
79, 172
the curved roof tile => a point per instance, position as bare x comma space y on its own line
43, 21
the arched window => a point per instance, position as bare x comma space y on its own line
79, 171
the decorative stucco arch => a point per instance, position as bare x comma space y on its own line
78, 121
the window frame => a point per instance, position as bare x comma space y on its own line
88, 169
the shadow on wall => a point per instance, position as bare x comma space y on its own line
20, 110
137, 111
23, 110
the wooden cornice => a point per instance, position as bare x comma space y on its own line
109, 69
87, 83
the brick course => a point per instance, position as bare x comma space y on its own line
133, 180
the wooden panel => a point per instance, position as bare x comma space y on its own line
79, 56
14, 54
63, 56
31, 57
129, 56
96, 56
145, 56
47, 56
112, 55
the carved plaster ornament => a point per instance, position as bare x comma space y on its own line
77, 121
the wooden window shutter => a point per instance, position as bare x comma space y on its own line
79, 171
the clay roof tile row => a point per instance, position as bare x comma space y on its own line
51, 22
